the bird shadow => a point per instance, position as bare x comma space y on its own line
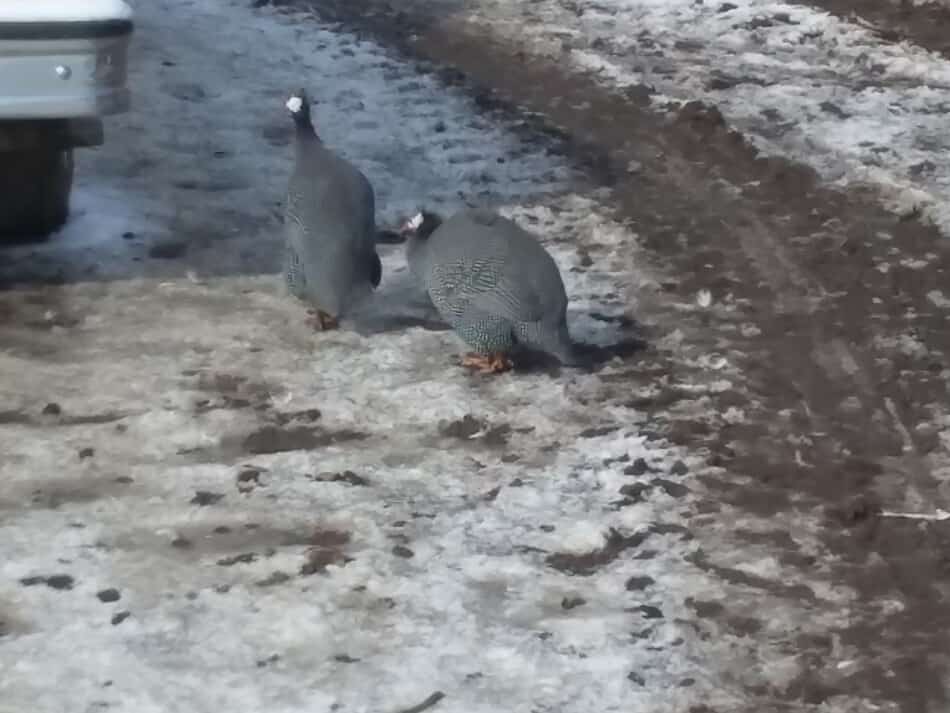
591, 358
400, 304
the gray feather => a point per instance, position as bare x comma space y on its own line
330, 224
494, 283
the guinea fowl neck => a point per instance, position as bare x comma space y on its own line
304, 127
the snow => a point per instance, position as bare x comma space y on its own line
797, 81
433, 551
63, 10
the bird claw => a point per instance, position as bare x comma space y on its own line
320, 320
487, 363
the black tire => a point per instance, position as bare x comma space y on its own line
34, 192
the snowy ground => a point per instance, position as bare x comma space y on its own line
797, 81
205, 505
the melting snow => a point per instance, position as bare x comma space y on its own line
798, 81
207, 506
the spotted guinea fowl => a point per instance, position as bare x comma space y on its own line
493, 282
330, 258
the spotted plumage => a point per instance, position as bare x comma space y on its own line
492, 281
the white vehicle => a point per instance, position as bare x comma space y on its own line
62, 67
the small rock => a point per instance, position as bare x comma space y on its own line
52, 409
403, 551
568, 603
597, 431
248, 479
679, 468
168, 250
109, 595
60, 581
638, 467
636, 678
347, 476
726, 7
204, 498
181, 543
273, 579
243, 558
674, 490
120, 617
124, 479
638, 584
634, 492
344, 658
128, 235
86, 453
584, 258
650, 612
273, 658
834, 110
222, 530
465, 427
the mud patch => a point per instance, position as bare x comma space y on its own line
277, 439
472, 429
63, 582
231, 391
589, 562
793, 592
326, 549
54, 493
347, 476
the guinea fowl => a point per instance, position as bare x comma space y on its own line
330, 258
494, 284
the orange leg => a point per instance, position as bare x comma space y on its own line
494, 363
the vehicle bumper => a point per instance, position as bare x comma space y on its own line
64, 69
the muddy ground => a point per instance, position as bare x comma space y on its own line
845, 361
925, 24
826, 302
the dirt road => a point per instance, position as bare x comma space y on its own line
838, 328
698, 526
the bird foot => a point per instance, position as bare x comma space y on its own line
487, 363
321, 321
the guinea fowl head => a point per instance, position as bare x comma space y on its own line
421, 225
299, 107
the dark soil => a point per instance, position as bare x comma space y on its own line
896, 20
832, 414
